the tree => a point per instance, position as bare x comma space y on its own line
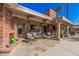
59, 9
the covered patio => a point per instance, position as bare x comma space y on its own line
26, 23
62, 27
29, 25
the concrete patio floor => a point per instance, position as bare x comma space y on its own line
68, 47
34, 48
45, 47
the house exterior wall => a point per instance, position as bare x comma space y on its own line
8, 25
75, 30
25, 25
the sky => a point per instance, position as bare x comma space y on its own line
73, 10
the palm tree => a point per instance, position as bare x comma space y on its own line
59, 10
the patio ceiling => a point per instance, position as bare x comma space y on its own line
20, 9
63, 20
29, 18
75, 26
16, 12
25, 13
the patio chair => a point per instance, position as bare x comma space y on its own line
47, 36
29, 36
35, 35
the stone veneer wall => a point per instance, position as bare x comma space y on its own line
1, 25
7, 25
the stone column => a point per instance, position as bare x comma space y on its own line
75, 33
68, 31
23, 31
16, 29
58, 31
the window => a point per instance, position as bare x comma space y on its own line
19, 29
54, 28
32, 27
